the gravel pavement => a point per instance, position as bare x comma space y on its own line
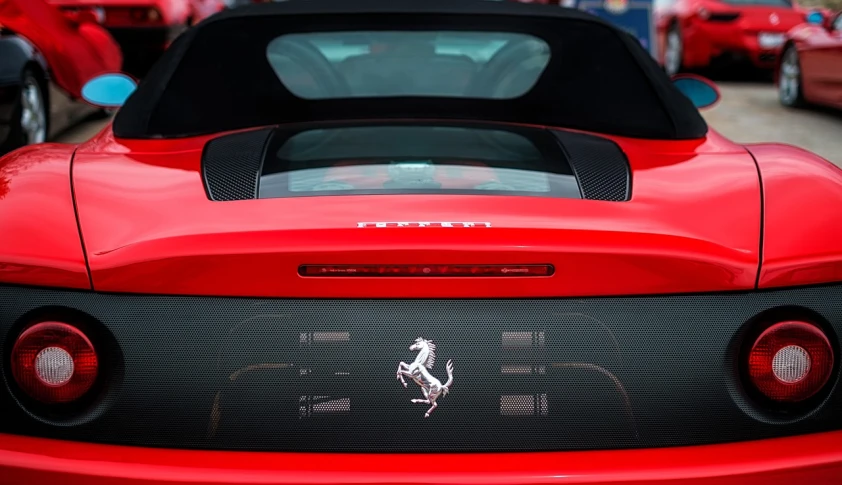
748, 112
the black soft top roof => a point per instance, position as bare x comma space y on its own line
216, 77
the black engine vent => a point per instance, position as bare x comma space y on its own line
600, 166
231, 165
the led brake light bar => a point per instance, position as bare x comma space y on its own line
414, 270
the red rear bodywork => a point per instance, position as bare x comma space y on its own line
815, 459
712, 29
705, 216
697, 221
668, 238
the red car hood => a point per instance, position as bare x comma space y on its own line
692, 224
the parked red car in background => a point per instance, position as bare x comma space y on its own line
45, 59
143, 28
811, 65
692, 34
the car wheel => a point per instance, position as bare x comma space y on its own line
674, 51
789, 81
31, 119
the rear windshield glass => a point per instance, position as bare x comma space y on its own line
416, 159
408, 63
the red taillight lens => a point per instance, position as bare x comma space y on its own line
426, 270
145, 15
790, 361
54, 362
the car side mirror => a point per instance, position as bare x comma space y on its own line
702, 92
109, 90
816, 18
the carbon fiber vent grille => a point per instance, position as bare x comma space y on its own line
600, 166
231, 165
320, 375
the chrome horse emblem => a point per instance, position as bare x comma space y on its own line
419, 371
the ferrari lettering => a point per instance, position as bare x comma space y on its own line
423, 224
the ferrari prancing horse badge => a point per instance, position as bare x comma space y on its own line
419, 371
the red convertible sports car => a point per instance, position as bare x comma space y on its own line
401, 242
810, 70
143, 28
694, 34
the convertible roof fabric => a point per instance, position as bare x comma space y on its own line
216, 77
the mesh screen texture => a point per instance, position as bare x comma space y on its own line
601, 167
320, 375
231, 165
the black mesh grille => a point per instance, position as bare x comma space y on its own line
320, 375
600, 165
231, 165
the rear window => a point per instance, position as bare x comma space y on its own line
486, 65
416, 160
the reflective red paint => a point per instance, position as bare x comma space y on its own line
39, 238
693, 224
802, 223
810, 459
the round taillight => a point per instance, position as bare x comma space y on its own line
790, 361
54, 362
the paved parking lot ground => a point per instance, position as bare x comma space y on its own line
748, 112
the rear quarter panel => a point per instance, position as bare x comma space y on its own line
39, 237
802, 230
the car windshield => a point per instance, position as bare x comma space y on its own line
416, 159
490, 65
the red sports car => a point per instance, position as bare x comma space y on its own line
810, 70
694, 34
401, 242
144, 28
45, 59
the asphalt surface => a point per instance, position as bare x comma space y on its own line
748, 112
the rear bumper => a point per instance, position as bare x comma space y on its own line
727, 42
810, 459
